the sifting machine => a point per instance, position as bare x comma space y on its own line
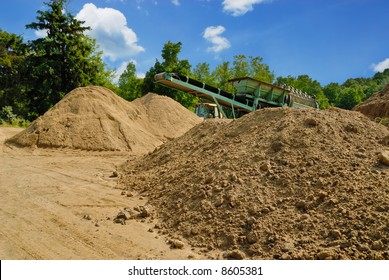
251, 94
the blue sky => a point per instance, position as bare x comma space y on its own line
330, 40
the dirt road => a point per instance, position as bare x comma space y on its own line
61, 205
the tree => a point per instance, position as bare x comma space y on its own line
172, 64
252, 67
260, 70
63, 60
222, 74
240, 67
129, 84
351, 96
332, 92
12, 57
381, 78
203, 73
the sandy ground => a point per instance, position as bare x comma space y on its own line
61, 205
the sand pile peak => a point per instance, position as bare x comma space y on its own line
96, 119
277, 183
377, 106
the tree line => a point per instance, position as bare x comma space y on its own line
35, 75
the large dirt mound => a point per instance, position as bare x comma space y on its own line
276, 184
96, 119
377, 106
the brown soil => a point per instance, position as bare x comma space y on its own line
275, 184
96, 119
62, 202
377, 106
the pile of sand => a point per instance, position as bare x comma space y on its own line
278, 183
96, 119
377, 106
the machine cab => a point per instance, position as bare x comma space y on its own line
207, 111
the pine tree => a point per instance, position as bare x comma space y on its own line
62, 60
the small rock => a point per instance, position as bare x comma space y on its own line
219, 201
125, 215
176, 244
335, 234
345, 244
209, 180
385, 140
360, 155
303, 205
311, 122
235, 254
324, 255
377, 245
87, 217
265, 166
145, 211
114, 174
351, 128
362, 247
384, 157
119, 221
285, 256
277, 146
252, 238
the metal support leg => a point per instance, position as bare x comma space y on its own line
220, 109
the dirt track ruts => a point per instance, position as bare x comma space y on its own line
45, 197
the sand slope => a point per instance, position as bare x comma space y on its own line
377, 106
96, 119
275, 184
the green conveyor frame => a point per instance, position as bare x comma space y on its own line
251, 94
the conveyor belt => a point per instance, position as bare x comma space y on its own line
200, 89
252, 94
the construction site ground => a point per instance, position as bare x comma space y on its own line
61, 204
97, 177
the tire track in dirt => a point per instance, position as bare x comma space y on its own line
46, 197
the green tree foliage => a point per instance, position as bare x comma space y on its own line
355, 90
129, 84
172, 64
6, 115
332, 91
241, 67
252, 67
12, 58
222, 74
62, 60
351, 96
381, 78
203, 73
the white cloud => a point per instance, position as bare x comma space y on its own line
219, 43
119, 71
140, 75
123, 66
239, 7
381, 66
41, 33
176, 2
109, 28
